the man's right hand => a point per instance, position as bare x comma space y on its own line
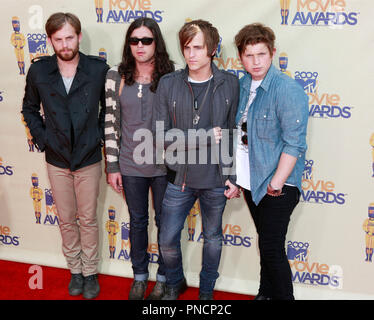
115, 180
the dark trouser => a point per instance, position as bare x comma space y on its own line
175, 208
136, 191
271, 217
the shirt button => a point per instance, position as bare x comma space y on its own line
265, 116
297, 121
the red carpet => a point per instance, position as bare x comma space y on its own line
14, 285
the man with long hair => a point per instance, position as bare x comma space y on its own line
130, 90
70, 85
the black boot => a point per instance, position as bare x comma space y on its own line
76, 284
172, 293
138, 290
91, 287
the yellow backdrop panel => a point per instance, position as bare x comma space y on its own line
325, 45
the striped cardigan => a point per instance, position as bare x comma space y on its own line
112, 128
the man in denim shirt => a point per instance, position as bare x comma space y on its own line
272, 123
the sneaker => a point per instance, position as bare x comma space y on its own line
91, 287
76, 284
172, 293
137, 290
158, 291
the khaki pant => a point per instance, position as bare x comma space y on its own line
75, 194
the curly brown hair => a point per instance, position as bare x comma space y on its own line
255, 33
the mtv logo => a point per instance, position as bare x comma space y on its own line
37, 46
125, 231
308, 169
297, 251
48, 197
308, 80
309, 85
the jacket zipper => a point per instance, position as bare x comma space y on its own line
219, 163
186, 166
175, 125
184, 179
174, 112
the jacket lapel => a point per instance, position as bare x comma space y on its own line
81, 76
55, 78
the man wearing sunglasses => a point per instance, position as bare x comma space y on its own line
198, 99
130, 89
272, 123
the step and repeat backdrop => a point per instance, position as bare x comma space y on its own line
325, 45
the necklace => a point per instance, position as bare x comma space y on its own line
140, 90
142, 80
196, 114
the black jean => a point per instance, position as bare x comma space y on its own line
136, 191
271, 217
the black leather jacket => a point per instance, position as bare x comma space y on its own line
72, 129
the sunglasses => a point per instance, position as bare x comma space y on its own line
244, 137
145, 41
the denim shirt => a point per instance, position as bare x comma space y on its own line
276, 123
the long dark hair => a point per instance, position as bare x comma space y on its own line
163, 64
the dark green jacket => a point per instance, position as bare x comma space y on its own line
71, 129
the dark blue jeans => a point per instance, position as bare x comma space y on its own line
271, 217
136, 191
175, 208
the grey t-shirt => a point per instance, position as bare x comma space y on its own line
204, 174
67, 83
136, 113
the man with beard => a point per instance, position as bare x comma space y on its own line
70, 86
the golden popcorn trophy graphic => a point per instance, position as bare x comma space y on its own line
99, 10
112, 228
191, 220
18, 41
285, 11
36, 195
368, 227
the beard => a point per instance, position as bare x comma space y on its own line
67, 54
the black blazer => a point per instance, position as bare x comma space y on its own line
72, 129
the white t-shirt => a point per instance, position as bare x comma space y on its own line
243, 177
